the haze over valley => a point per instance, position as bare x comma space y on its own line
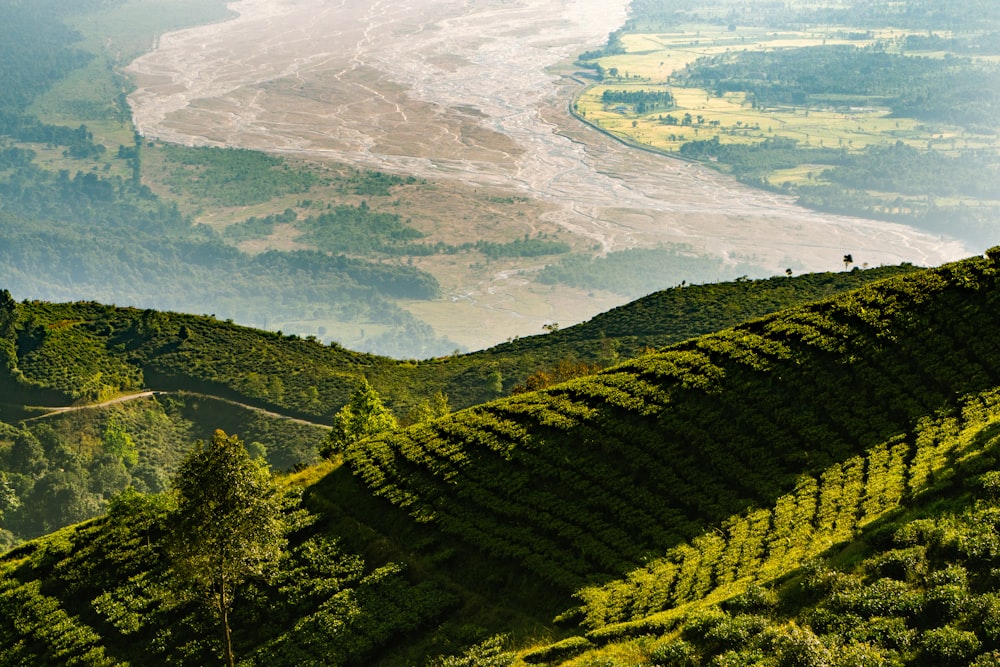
473, 97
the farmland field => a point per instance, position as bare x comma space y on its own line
815, 137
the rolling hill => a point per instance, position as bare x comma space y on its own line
55, 354
815, 486
80, 376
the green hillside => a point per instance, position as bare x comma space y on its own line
605, 469
670, 510
57, 353
207, 374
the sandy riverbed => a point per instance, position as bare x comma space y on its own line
468, 92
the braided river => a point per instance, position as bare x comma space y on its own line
476, 93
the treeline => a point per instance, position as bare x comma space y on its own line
233, 176
638, 271
643, 101
78, 141
860, 183
89, 236
35, 50
754, 161
974, 15
976, 44
359, 230
905, 169
537, 246
585, 477
971, 15
954, 90
371, 183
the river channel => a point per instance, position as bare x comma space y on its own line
476, 92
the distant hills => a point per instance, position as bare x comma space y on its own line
60, 353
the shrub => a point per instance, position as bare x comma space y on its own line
861, 655
800, 647
885, 597
891, 632
675, 654
902, 564
754, 599
489, 653
990, 484
561, 650
700, 623
949, 646
737, 631
991, 659
988, 612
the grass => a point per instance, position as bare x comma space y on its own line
117, 36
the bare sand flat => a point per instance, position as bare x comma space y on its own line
475, 93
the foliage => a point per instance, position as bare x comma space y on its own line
56, 353
735, 457
930, 89
234, 177
84, 350
929, 15
88, 227
35, 51
638, 271
227, 526
642, 101
105, 601
897, 106
357, 230
489, 653
497, 475
363, 417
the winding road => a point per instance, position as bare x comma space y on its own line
55, 411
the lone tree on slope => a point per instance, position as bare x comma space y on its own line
228, 524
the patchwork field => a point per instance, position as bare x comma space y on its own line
735, 111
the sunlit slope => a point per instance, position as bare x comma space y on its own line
588, 478
885, 555
58, 353
648, 491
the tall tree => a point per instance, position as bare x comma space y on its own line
362, 417
432, 408
228, 524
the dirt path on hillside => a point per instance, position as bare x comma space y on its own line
465, 92
55, 411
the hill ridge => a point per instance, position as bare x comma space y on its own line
701, 405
